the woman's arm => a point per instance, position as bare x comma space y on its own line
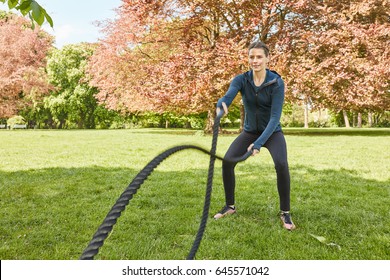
234, 88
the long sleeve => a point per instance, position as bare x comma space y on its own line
234, 88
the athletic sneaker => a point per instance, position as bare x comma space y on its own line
286, 220
226, 210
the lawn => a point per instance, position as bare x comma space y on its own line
57, 186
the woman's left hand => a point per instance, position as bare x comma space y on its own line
254, 151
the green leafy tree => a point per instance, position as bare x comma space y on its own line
31, 8
37, 116
73, 102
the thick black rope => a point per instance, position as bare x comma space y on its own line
108, 223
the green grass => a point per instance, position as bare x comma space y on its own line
57, 186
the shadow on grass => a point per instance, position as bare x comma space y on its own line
286, 130
337, 131
53, 213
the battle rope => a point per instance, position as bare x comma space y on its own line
108, 223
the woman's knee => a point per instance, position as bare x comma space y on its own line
228, 165
281, 166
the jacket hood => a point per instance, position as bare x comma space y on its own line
270, 77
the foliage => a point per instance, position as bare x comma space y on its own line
380, 119
232, 119
23, 53
340, 61
105, 118
180, 56
293, 116
57, 186
37, 116
31, 8
15, 120
73, 101
156, 120
176, 58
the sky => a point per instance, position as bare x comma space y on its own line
74, 19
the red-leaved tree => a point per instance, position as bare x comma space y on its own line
181, 55
341, 61
23, 54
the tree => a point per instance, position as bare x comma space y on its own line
23, 56
31, 8
181, 55
73, 99
340, 62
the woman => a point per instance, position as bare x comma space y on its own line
262, 93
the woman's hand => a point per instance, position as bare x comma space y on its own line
225, 109
254, 151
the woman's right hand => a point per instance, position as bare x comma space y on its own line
225, 109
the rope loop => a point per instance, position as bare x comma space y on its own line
110, 220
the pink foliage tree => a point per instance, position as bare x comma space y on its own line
23, 54
341, 62
181, 55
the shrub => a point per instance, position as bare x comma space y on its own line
15, 120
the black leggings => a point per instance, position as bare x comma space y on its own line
276, 145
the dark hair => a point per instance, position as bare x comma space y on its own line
259, 45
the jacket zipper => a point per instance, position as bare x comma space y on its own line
256, 93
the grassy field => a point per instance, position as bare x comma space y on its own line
57, 186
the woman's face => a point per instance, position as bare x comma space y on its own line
257, 59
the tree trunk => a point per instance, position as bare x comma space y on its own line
80, 123
306, 114
377, 118
346, 120
62, 124
242, 116
209, 121
370, 119
359, 121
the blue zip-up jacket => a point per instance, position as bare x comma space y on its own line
263, 105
